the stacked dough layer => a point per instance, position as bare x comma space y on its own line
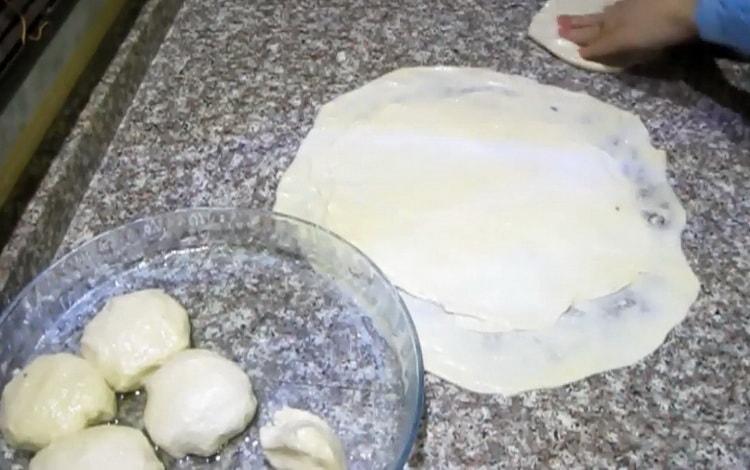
531, 230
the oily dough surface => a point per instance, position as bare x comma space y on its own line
471, 199
503, 208
543, 29
300, 440
196, 402
98, 448
55, 395
134, 334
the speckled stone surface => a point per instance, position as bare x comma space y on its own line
235, 87
44, 221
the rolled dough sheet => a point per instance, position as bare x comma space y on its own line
543, 29
592, 337
501, 206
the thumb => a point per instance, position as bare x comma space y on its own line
607, 44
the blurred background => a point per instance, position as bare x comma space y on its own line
52, 53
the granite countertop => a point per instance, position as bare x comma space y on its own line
234, 88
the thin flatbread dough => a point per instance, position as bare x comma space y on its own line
502, 207
474, 191
543, 29
592, 337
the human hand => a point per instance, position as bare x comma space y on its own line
630, 28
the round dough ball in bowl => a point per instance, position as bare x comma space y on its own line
197, 401
98, 448
55, 395
133, 335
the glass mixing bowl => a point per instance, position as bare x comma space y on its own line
311, 320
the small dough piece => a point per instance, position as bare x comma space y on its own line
300, 440
197, 401
133, 335
55, 395
543, 29
98, 448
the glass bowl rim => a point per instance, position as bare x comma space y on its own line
416, 414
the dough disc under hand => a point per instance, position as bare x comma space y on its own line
544, 30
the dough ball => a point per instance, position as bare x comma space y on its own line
299, 440
55, 395
133, 335
98, 448
197, 401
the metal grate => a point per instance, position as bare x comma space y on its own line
21, 22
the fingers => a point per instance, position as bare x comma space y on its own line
605, 45
579, 21
581, 36
580, 29
599, 35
